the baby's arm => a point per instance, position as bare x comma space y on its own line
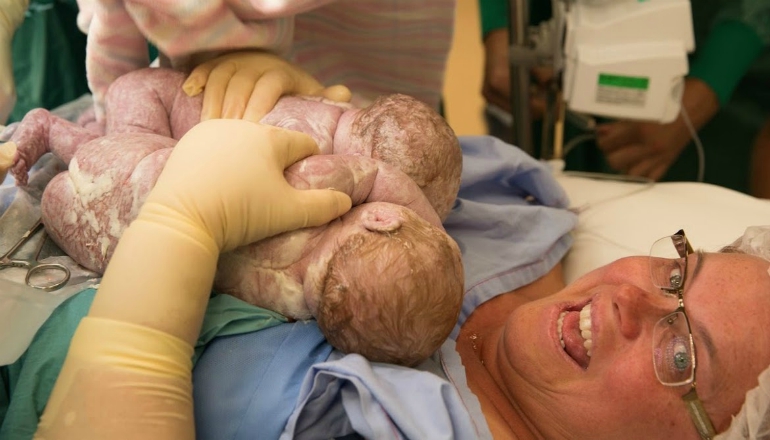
151, 100
364, 180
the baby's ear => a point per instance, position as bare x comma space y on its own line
382, 219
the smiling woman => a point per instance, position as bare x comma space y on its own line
615, 346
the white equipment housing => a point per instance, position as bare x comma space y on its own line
627, 59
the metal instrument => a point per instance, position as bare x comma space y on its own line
43, 276
623, 59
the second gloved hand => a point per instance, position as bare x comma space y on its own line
11, 17
246, 85
252, 200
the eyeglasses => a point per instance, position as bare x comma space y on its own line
673, 349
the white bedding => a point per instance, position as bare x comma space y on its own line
619, 219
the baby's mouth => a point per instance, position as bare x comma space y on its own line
574, 329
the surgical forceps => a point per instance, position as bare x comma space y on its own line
34, 267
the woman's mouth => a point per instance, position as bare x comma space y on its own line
574, 330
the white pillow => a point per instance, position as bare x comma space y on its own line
618, 219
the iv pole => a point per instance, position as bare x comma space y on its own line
519, 48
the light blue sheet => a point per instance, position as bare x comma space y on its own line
512, 227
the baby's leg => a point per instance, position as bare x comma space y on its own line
40, 132
151, 101
87, 208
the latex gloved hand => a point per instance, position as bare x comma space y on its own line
250, 198
7, 153
128, 372
11, 16
246, 85
648, 149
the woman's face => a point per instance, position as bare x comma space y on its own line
614, 393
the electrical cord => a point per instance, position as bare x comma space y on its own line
698, 145
585, 137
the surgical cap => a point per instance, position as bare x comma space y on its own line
753, 421
755, 241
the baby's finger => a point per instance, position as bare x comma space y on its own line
214, 92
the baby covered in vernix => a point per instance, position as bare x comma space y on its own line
384, 280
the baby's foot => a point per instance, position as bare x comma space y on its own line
7, 155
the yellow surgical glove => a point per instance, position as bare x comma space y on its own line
246, 85
127, 373
7, 152
132, 362
250, 198
11, 17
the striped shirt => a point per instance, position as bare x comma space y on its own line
374, 47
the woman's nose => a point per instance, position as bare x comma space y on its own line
637, 308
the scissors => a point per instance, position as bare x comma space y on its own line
34, 267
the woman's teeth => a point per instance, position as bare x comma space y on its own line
585, 328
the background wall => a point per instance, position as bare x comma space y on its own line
463, 102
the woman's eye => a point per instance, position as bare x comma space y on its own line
679, 356
675, 277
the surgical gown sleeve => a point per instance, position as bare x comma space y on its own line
494, 15
737, 37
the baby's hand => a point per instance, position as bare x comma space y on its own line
246, 85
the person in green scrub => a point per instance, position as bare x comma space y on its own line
727, 97
48, 53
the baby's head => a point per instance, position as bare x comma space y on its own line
393, 293
406, 133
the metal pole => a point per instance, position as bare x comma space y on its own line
522, 119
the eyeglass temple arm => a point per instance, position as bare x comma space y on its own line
698, 414
687, 248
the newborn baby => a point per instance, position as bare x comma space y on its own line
357, 276
396, 129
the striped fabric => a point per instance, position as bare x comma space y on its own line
372, 46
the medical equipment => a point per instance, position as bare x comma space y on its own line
613, 58
43, 276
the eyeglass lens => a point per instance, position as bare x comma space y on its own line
672, 350
667, 264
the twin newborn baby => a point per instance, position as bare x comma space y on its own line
384, 280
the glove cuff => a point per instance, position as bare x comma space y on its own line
130, 346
